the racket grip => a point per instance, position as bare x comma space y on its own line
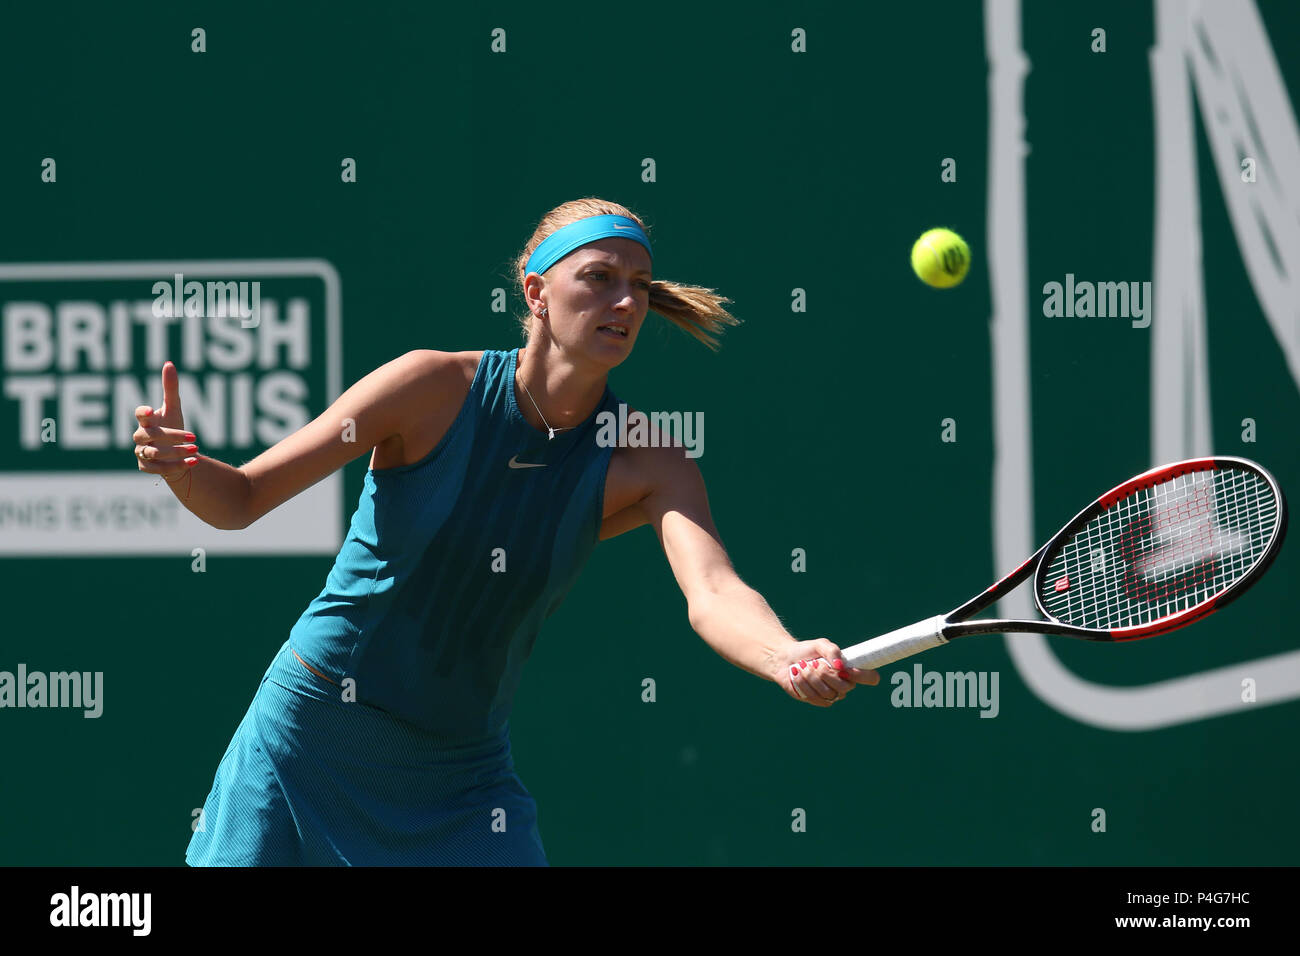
896, 645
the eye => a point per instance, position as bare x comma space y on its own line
592, 275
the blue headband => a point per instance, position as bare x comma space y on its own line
567, 238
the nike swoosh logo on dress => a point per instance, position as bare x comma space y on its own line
515, 463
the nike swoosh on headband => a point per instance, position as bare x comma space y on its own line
577, 234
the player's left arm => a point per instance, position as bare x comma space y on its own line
728, 614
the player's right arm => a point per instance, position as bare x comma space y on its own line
385, 403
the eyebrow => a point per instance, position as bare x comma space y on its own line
610, 265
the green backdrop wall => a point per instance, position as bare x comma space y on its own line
774, 171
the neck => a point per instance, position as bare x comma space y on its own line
566, 393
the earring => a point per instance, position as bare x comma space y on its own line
544, 313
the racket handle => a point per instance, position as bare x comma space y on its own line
896, 645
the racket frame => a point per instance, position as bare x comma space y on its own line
956, 624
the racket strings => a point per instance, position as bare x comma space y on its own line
1162, 550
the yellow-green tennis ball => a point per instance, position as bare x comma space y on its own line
940, 258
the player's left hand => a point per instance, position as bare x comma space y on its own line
815, 672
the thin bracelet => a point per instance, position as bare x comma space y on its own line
189, 473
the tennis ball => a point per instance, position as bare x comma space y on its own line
940, 258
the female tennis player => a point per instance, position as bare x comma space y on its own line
379, 733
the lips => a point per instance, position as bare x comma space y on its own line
614, 328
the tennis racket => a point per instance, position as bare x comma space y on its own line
1156, 553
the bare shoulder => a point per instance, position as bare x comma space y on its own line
466, 362
431, 386
661, 461
428, 379
392, 409
445, 372
666, 464
637, 472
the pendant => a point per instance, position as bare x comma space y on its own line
552, 432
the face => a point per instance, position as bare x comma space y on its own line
604, 283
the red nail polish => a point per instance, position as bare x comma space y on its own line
838, 663
803, 664
190, 436
817, 663
794, 671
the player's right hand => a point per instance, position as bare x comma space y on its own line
162, 446
810, 673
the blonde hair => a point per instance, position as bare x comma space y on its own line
695, 309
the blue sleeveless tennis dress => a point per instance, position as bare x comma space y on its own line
393, 747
